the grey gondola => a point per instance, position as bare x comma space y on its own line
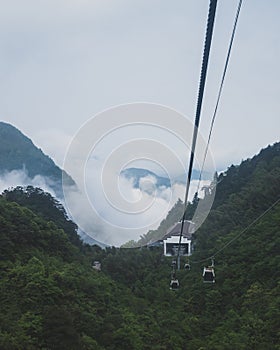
174, 284
208, 274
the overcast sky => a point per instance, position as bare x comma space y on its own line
63, 61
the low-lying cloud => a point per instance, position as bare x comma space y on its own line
20, 177
121, 212
129, 212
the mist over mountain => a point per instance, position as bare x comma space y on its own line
24, 164
136, 174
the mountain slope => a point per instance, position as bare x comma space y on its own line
242, 193
17, 152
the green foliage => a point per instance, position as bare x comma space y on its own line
52, 298
44, 205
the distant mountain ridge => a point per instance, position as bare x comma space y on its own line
136, 174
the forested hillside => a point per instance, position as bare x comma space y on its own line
52, 298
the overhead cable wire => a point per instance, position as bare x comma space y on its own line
220, 92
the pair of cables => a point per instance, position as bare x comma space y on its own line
206, 53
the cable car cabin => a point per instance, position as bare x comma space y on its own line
187, 266
208, 274
96, 265
174, 284
172, 241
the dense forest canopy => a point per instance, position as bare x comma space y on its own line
52, 298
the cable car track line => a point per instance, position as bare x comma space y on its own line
240, 233
206, 53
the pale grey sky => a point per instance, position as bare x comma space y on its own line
63, 61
